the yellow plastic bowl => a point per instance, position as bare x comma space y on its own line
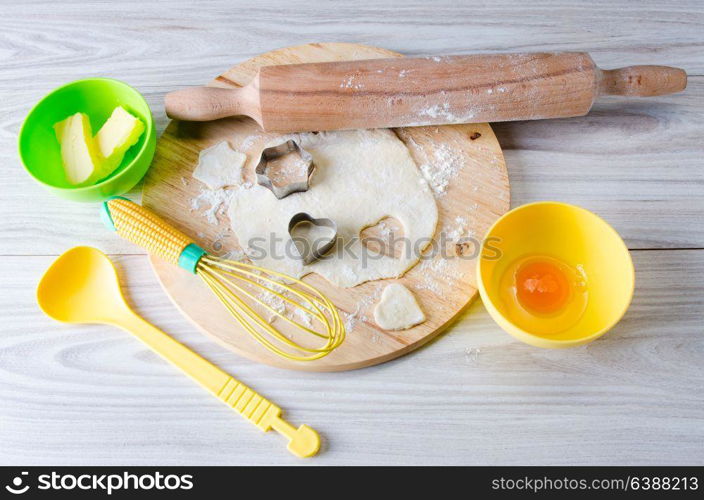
577, 237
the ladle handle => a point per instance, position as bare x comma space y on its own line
142, 227
303, 442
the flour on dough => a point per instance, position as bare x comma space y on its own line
397, 309
220, 166
361, 177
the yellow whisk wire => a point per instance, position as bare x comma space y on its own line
238, 310
243, 307
228, 279
237, 266
223, 277
318, 314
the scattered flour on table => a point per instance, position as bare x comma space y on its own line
471, 354
266, 294
303, 317
353, 318
441, 168
212, 203
274, 302
458, 229
361, 311
438, 270
238, 255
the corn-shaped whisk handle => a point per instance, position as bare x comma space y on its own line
144, 228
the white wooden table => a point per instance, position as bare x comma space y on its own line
94, 395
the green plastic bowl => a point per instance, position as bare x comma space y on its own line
40, 151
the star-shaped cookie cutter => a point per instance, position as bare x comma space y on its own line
272, 153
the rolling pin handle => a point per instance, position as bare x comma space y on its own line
644, 81
201, 104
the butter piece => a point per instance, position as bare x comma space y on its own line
119, 133
79, 152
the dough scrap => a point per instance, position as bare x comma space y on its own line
220, 166
397, 309
361, 177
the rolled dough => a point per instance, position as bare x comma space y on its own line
397, 309
220, 166
361, 177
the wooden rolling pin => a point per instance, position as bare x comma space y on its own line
404, 92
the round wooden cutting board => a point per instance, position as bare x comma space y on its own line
467, 158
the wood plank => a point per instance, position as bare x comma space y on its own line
93, 395
112, 36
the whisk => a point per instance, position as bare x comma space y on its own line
233, 283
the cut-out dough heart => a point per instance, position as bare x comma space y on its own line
397, 309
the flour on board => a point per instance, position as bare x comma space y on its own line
361, 311
458, 228
441, 168
213, 203
438, 270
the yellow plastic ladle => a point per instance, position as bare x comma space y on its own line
81, 286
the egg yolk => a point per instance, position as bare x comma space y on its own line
543, 295
542, 287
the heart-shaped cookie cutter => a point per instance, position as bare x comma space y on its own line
272, 153
312, 253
